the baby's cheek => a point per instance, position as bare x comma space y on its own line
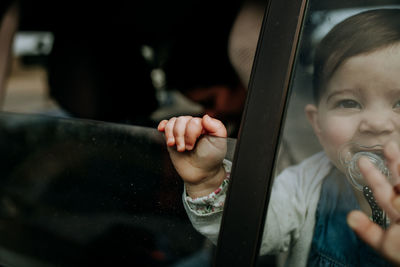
333, 142
337, 133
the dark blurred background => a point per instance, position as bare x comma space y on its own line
119, 61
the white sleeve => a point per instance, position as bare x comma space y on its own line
286, 214
292, 192
294, 198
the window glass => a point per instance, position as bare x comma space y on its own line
86, 193
80, 184
342, 105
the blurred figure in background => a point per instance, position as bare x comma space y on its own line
97, 70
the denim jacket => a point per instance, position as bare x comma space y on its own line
334, 243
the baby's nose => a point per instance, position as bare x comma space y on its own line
378, 122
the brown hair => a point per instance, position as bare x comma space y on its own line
361, 33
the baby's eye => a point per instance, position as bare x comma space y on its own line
348, 103
397, 104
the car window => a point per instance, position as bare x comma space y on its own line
316, 180
86, 177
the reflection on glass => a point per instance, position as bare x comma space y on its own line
350, 58
85, 193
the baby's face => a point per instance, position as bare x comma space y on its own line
361, 104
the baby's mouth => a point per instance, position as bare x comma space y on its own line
376, 149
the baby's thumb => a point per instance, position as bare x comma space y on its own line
213, 126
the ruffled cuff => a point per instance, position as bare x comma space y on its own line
213, 202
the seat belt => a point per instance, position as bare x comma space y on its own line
8, 27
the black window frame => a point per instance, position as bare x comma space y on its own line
252, 170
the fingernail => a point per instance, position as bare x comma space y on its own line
189, 147
353, 220
170, 140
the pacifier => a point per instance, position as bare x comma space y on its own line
349, 160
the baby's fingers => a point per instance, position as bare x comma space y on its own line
161, 125
392, 155
182, 131
368, 231
386, 243
213, 126
194, 129
382, 189
179, 132
169, 131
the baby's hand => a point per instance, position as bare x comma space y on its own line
199, 165
382, 189
388, 196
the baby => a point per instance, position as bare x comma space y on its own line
356, 117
